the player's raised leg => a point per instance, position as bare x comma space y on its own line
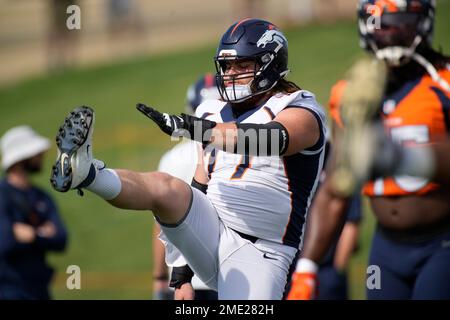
75, 168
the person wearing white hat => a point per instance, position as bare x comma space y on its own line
29, 220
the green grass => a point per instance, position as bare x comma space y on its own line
113, 247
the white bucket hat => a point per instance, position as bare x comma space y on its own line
20, 143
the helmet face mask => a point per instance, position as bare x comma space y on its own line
237, 85
259, 44
394, 29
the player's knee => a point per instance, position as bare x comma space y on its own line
165, 184
167, 189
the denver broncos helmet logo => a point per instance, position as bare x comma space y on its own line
271, 36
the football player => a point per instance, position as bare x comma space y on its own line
332, 275
410, 244
203, 89
240, 225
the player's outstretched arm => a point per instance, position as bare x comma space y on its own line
293, 130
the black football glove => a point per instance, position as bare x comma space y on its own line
180, 126
170, 124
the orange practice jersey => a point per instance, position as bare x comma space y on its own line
418, 113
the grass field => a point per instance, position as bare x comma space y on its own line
113, 247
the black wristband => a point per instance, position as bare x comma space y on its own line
180, 276
200, 186
269, 139
199, 129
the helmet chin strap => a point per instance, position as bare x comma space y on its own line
431, 71
397, 56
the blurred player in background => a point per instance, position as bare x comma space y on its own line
332, 277
410, 245
181, 162
29, 221
240, 225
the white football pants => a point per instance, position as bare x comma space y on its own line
235, 267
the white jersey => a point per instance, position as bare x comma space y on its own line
265, 197
180, 162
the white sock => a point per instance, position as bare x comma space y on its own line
107, 184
